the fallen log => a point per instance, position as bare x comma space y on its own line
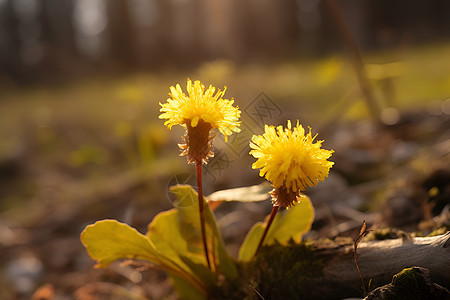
380, 260
326, 269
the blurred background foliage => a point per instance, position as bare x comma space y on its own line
80, 83
60, 39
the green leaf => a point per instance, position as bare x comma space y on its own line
225, 265
185, 290
109, 240
290, 224
166, 234
177, 234
250, 243
173, 242
189, 223
253, 193
188, 216
202, 272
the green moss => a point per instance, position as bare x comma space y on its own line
410, 284
284, 272
277, 272
386, 234
440, 230
228, 290
410, 278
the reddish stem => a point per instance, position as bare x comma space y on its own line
269, 222
360, 274
198, 167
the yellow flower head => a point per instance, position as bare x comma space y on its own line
199, 112
290, 159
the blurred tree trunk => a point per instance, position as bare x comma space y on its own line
59, 26
9, 42
122, 36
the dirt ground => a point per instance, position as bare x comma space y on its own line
395, 176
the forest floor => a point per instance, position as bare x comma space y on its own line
75, 153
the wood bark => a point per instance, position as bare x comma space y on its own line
380, 260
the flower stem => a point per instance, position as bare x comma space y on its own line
269, 222
198, 167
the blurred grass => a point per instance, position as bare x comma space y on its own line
103, 125
312, 85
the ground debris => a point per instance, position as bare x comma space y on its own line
411, 283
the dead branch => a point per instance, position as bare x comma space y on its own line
380, 260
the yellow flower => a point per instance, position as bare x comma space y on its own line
199, 112
291, 160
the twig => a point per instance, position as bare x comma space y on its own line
256, 291
362, 233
